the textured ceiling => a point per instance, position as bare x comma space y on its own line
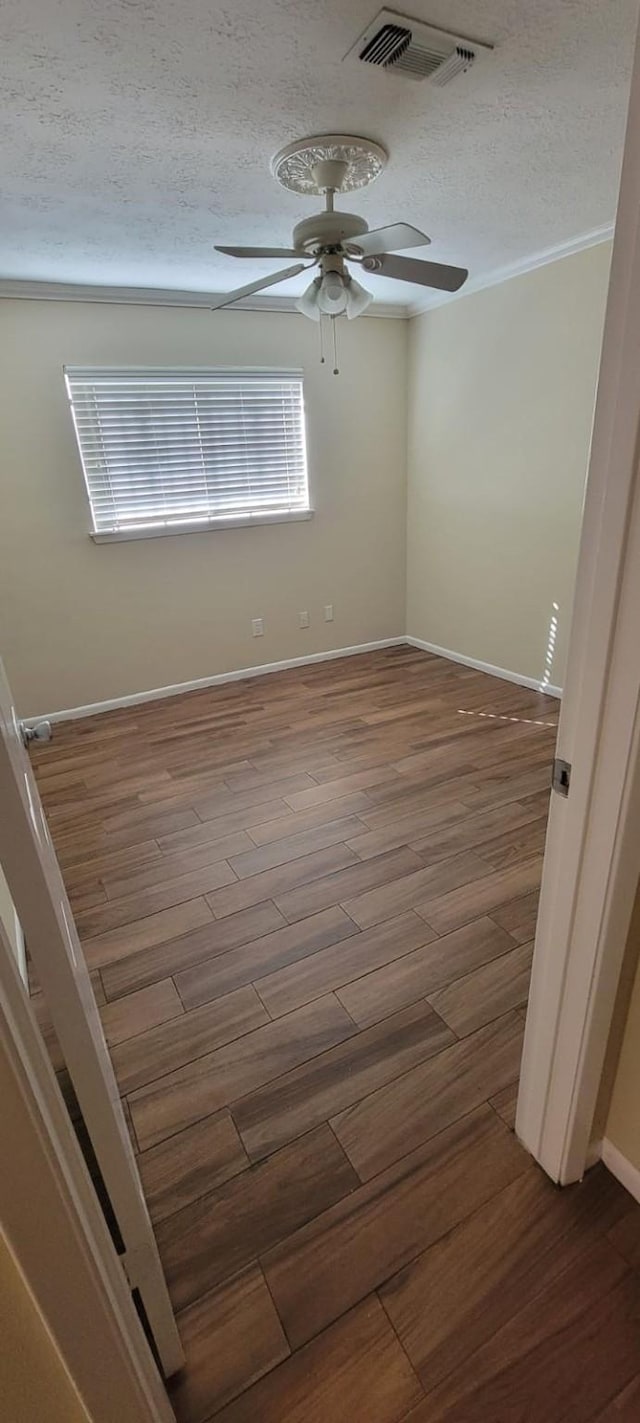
136, 133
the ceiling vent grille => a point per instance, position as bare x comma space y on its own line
407, 47
387, 46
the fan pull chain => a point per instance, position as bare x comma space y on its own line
321, 323
336, 371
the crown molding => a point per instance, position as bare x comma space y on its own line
159, 296
516, 269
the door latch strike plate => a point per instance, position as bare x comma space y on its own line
561, 776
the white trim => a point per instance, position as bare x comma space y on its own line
624, 1171
21, 949
157, 693
17, 290
517, 269
200, 526
535, 684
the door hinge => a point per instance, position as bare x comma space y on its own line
561, 776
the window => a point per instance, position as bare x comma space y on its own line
165, 450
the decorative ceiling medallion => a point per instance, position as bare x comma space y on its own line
294, 165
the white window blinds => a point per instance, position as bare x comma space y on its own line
164, 448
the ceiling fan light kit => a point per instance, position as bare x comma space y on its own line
326, 165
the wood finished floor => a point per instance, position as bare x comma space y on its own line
308, 902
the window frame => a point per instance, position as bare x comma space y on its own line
197, 524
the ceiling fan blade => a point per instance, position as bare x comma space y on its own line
257, 251
390, 239
226, 298
424, 274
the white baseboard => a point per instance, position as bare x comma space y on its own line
624, 1171
157, 693
518, 677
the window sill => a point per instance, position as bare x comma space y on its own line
199, 526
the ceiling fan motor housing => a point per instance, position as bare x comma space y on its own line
327, 229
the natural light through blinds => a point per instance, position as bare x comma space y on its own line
165, 448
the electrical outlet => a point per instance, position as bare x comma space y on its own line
303, 620
257, 627
328, 612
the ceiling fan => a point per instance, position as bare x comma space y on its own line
332, 241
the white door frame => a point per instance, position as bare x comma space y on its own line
36, 887
592, 857
56, 1231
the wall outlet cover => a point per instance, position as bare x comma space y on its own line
303, 619
257, 627
328, 612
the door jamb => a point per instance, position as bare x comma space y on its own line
35, 883
592, 856
87, 1304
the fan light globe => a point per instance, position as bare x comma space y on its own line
358, 299
332, 295
308, 303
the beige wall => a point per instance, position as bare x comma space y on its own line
500, 400
502, 386
34, 1384
81, 623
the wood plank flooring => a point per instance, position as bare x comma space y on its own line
308, 903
